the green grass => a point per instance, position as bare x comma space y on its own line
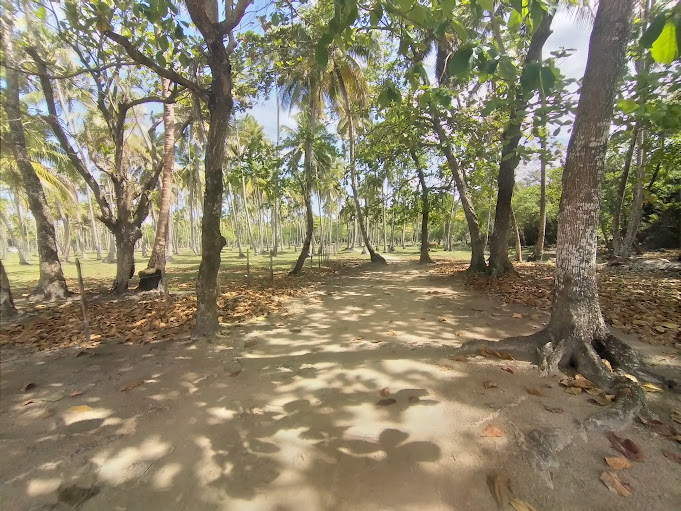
182, 270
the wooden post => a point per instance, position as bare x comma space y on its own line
271, 269
83, 303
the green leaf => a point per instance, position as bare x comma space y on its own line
627, 105
530, 77
548, 80
162, 42
160, 59
653, 31
420, 15
321, 53
376, 14
514, 20
664, 48
488, 5
460, 62
506, 69
440, 29
556, 132
460, 30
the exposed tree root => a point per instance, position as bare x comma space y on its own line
570, 354
377, 258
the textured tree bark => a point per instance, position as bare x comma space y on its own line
157, 260
498, 258
7, 308
52, 284
375, 257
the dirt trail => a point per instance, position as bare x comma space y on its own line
282, 414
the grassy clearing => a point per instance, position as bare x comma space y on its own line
183, 268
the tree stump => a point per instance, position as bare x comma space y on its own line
150, 279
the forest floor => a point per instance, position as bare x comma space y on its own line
341, 396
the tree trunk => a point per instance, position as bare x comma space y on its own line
7, 308
424, 254
23, 229
576, 317
158, 251
621, 192
477, 242
125, 257
247, 214
498, 260
220, 108
636, 208
375, 257
385, 229
13, 240
541, 233
95, 234
52, 284
236, 220
518, 244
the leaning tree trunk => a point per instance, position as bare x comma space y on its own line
498, 257
375, 257
52, 284
20, 250
157, 261
636, 207
305, 251
477, 241
7, 308
424, 255
621, 192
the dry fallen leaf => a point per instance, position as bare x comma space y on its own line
676, 416
650, 387
76, 393
517, 316
553, 410
79, 409
458, 358
385, 392
489, 384
131, 385
493, 431
386, 402
500, 486
626, 446
507, 369
618, 463
672, 455
658, 427
488, 352
612, 481
573, 390
521, 505
535, 391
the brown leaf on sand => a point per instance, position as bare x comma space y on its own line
612, 481
458, 358
517, 316
489, 384
507, 369
658, 426
493, 431
131, 385
488, 352
521, 505
76, 393
676, 416
535, 391
618, 463
626, 446
500, 486
386, 402
385, 392
672, 455
553, 410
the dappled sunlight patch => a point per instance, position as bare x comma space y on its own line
130, 462
164, 477
84, 413
36, 487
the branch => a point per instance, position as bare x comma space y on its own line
142, 59
234, 16
74, 73
52, 119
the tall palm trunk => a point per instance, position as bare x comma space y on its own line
23, 260
246, 213
157, 260
635, 209
95, 233
52, 284
541, 234
375, 257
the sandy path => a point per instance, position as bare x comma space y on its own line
299, 427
